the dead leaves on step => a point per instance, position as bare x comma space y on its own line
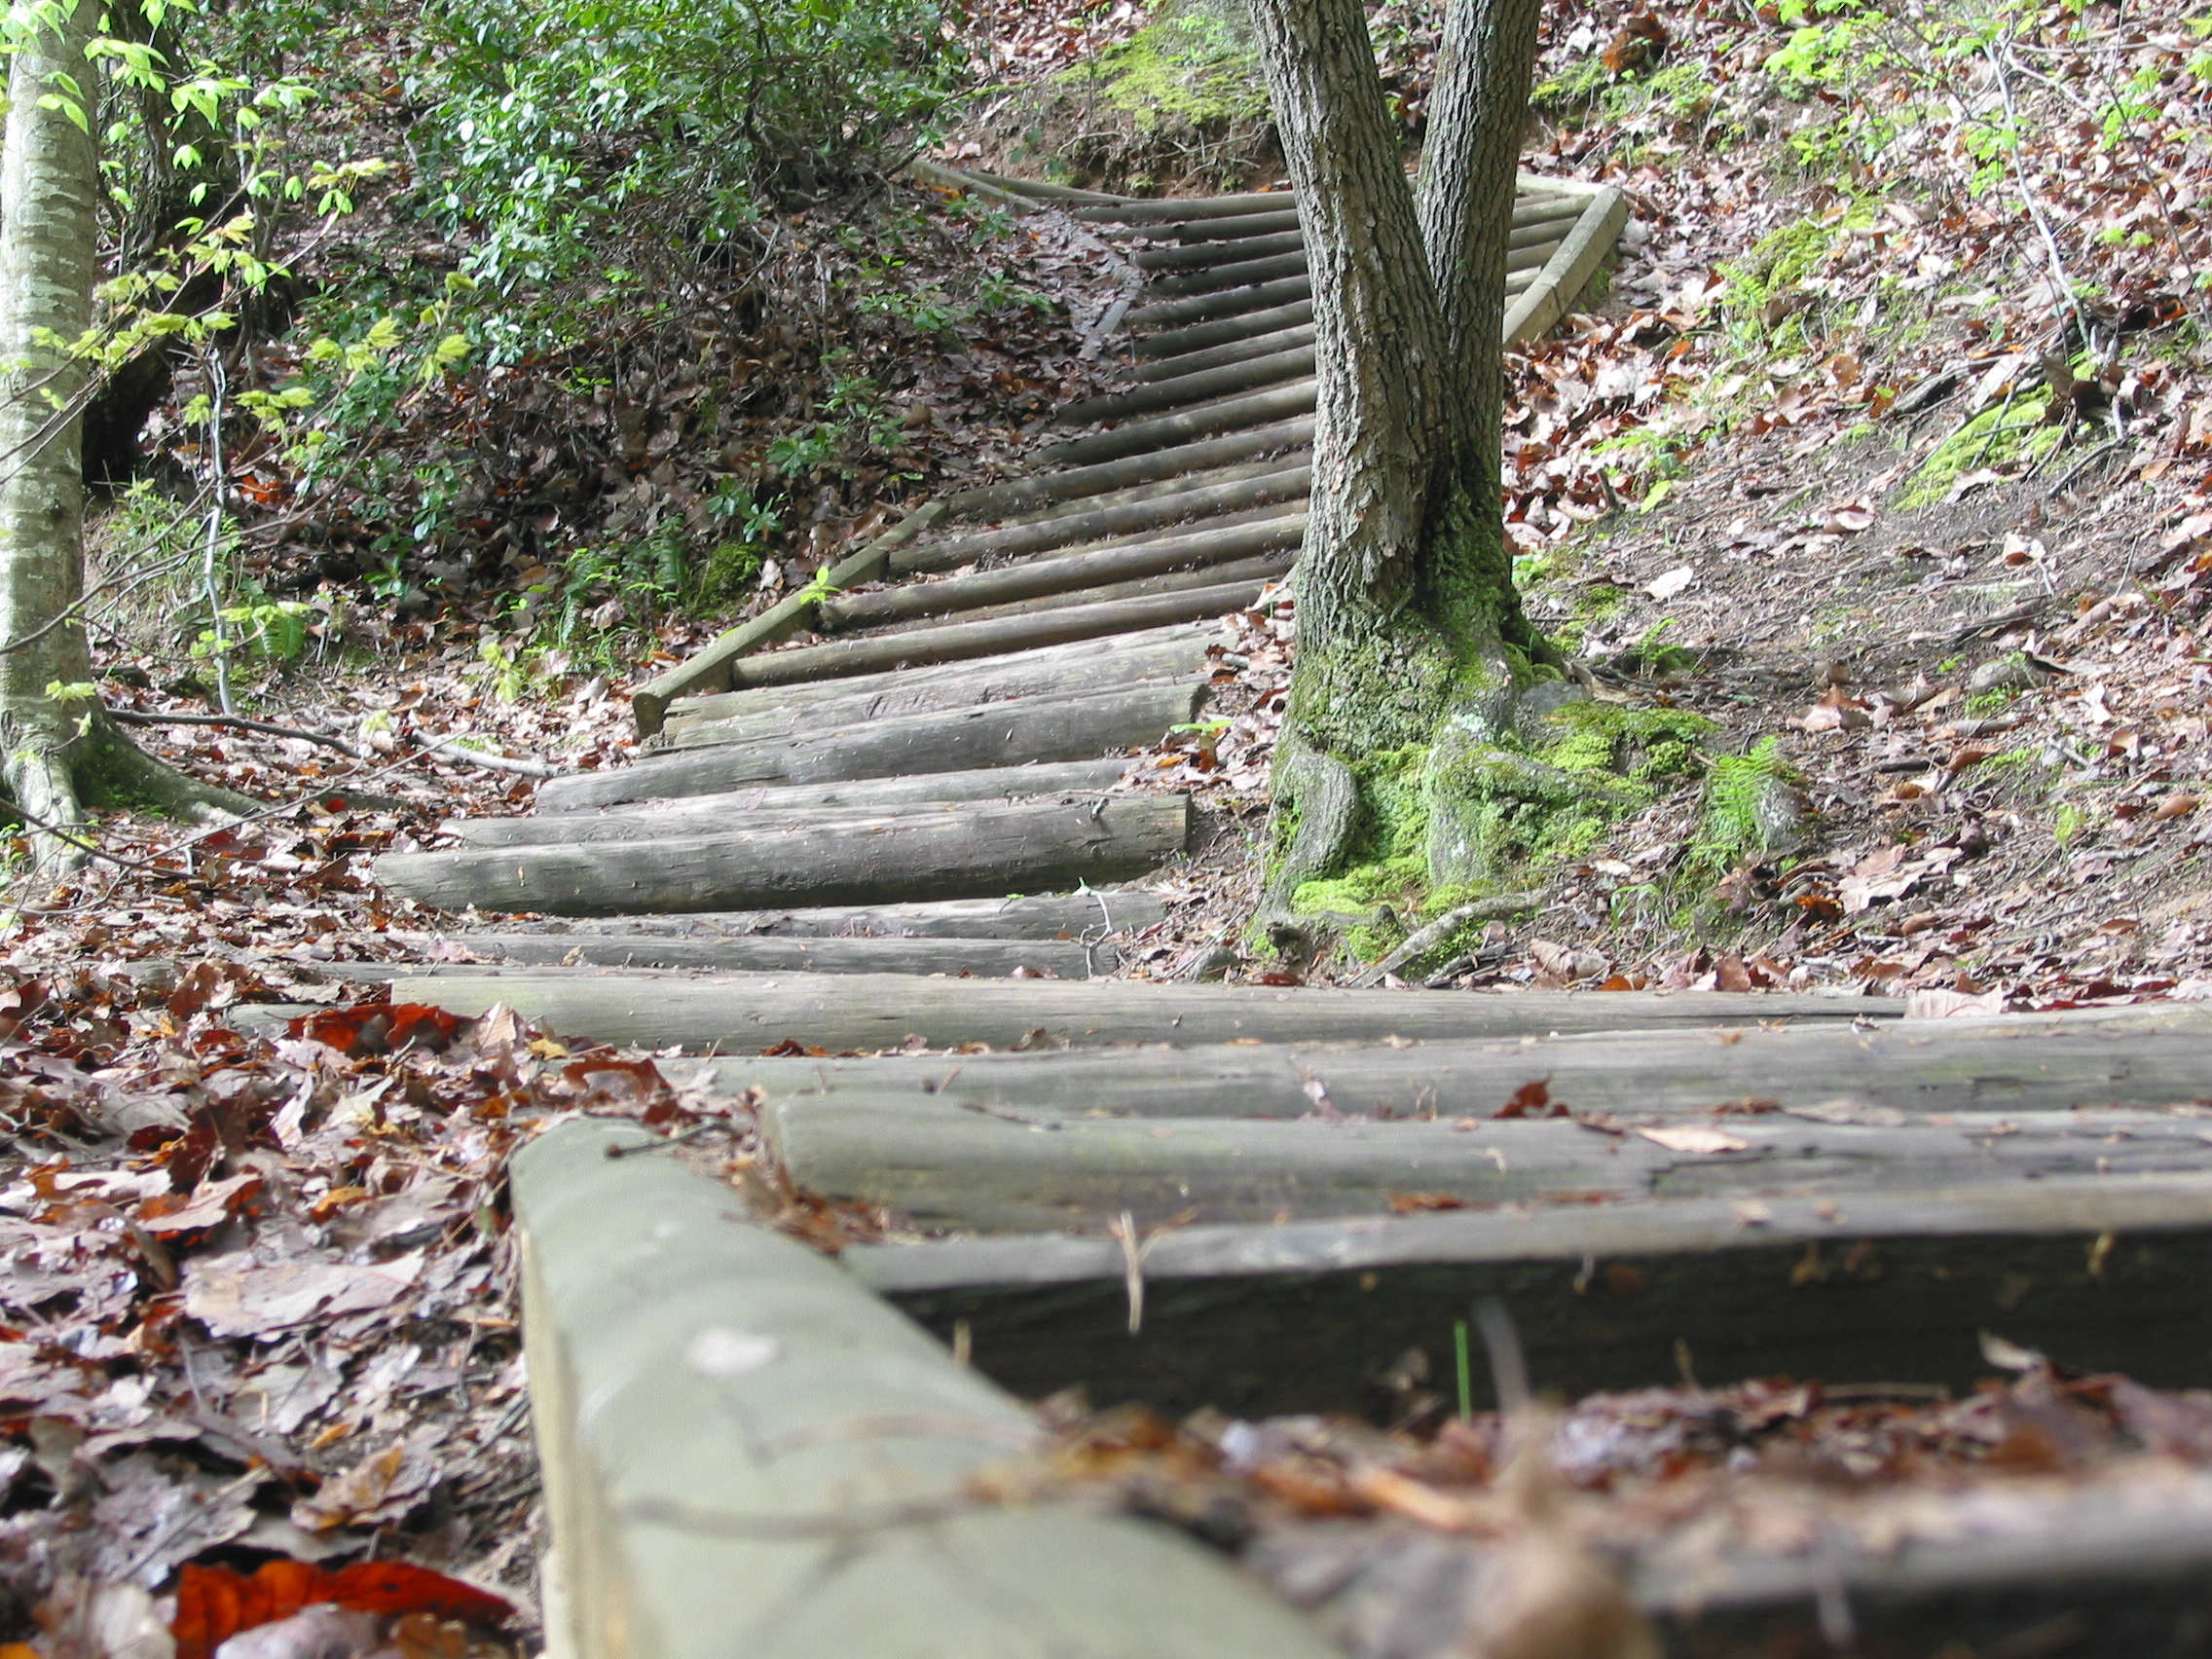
1431, 1539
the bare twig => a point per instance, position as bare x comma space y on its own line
450, 749
133, 716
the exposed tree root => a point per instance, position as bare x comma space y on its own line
1321, 790
54, 782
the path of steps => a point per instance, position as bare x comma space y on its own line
1243, 1197
948, 727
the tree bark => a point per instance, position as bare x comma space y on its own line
1410, 632
55, 748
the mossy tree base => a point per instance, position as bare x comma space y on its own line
53, 775
1486, 806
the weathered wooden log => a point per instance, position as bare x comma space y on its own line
1192, 257
1561, 283
1217, 356
1040, 190
985, 850
1182, 389
1256, 571
1183, 643
744, 1453
731, 1013
1248, 272
2107, 1272
1030, 499
1237, 229
981, 783
1081, 726
1202, 336
979, 958
708, 669
1902, 1071
1043, 578
945, 1165
1281, 483
960, 641
1186, 466
1191, 209
1224, 414
1087, 665
716, 815
1207, 308
1088, 916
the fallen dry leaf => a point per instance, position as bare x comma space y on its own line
1693, 1138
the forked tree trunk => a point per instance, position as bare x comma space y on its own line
53, 748
1409, 629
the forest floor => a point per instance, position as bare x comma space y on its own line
1833, 462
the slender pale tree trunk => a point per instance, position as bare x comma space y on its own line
48, 213
54, 749
1409, 629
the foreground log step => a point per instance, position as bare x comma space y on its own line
731, 1014
960, 641
983, 851
2105, 1270
769, 953
1044, 579
746, 1454
1883, 1075
926, 790
946, 1165
1018, 731
1158, 654
1077, 915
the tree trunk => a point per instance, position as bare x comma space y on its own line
1410, 634
52, 739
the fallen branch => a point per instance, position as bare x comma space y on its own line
133, 716
521, 765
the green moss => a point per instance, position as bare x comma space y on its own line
1528, 809
1731, 826
1196, 66
1388, 855
2014, 431
1571, 91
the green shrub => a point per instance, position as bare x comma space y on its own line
566, 128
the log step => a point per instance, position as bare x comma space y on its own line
960, 641
928, 790
1086, 666
1900, 1072
867, 1015
1287, 481
943, 1163
1064, 576
1078, 915
1239, 575
2104, 1270
983, 851
956, 958
1120, 659
1018, 731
